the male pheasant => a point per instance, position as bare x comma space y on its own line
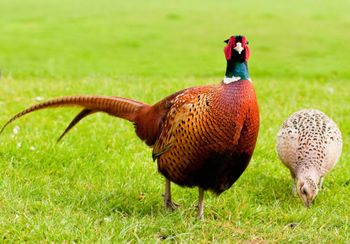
201, 136
309, 144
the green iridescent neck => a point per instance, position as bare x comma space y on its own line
237, 69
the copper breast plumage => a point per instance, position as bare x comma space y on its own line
208, 136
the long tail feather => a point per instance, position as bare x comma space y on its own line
116, 106
85, 112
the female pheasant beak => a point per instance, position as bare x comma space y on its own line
307, 191
239, 47
307, 203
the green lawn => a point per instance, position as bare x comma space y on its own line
100, 183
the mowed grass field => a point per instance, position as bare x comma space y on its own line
100, 183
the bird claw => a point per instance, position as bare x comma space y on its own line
200, 212
169, 204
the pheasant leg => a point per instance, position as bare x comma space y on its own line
321, 182
168, 203
201, 204
294, 187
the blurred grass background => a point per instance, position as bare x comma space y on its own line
183, 38
88, 188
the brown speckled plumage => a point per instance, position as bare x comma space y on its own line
309, 144
201, 136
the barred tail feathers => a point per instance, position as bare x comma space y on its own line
117, 106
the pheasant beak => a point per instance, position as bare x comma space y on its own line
238, 47
308, 203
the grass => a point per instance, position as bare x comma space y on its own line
100, 183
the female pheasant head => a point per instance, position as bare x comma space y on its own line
237, 54
307, 190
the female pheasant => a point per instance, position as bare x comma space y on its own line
309, 144
201, 136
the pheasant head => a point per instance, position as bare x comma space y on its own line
307, 190
237, 54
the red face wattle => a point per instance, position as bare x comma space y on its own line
239, 44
